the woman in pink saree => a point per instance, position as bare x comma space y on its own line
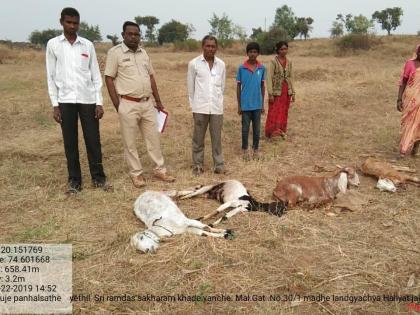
409, 104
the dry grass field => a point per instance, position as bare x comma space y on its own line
344, 112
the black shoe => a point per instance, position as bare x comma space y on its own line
220, 170
104, 185
74, 187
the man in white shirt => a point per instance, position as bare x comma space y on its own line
74, 86
206, 83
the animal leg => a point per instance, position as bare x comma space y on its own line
194, 226
230, 214
214, 230
200, 231
289, 196
412, 179
320, 202
197, 192
180, 193
215, 212
403, 169
292, 199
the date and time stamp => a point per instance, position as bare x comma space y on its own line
37, 279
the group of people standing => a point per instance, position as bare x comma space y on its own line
74, 85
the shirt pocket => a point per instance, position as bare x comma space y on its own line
128, 68
84, 61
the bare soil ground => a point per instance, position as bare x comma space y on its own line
344, 112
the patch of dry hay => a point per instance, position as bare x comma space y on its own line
345, 109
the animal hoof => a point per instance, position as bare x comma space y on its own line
230, 235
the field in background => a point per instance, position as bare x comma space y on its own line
344, 111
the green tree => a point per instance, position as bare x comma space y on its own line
222, 28
337, 29
149, 22
268, 40
42, 37
389, 18
173, 31
362, 24
304, 26
356, 24
239, 33
286, 20
91, 32
256, 32
114, 39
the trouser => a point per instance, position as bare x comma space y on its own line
249, 116
134, 116
215, 123
90, 126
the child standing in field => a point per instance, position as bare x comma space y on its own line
250, 94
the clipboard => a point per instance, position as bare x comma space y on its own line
161, 118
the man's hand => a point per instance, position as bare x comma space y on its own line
262, 110
292, 98
99, 112
116, 104
399, 105
159, 106
57, 114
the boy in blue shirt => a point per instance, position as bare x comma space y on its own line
250, 94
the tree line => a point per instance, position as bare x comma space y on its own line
286, 26
389, 19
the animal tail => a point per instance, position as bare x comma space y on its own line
277, 208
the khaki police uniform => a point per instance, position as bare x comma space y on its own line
131, 72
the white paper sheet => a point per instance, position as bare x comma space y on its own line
162, 117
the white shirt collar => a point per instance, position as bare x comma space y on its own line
62, 38
204, 59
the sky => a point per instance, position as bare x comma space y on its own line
19, 18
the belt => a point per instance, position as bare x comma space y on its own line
135, 99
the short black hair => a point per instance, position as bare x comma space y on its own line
69, 12
251, 46
129, 23
208, 37
280, 44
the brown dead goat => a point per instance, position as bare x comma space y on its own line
315, 190
381, 169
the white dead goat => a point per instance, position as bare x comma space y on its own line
234, 196
163, 218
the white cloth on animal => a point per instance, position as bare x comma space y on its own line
385, 184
